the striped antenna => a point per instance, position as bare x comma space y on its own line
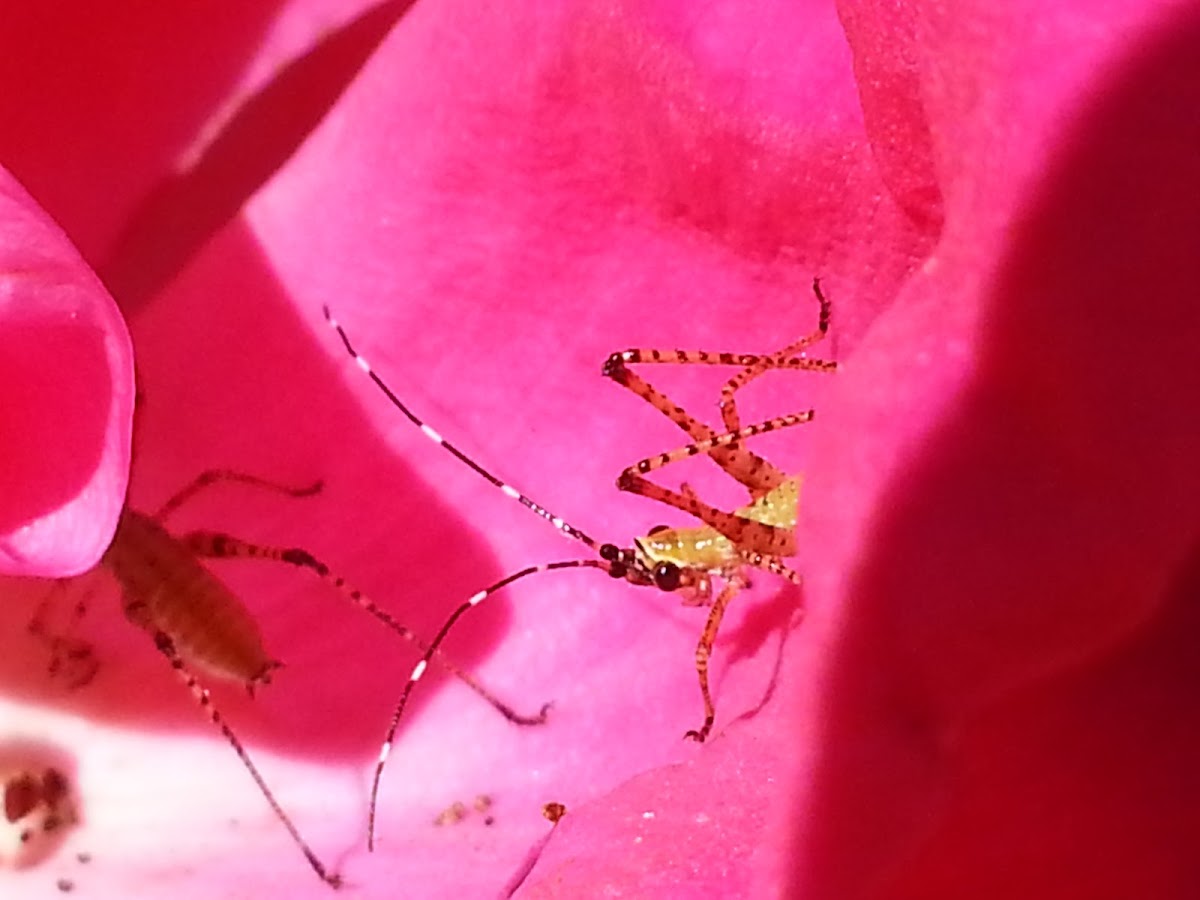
557, 521
616, 570
617, 563
756, 535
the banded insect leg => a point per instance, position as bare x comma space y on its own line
751, 470
704, 650
765, 530
211, 477
167, 647
791, 357
71, 659
216, 545
757, 474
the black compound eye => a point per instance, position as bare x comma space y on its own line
666, 576
609, 552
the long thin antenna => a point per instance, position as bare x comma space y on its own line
617, 563
422, 664
557, 521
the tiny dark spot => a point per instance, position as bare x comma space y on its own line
66, 885
84, 857
299, 557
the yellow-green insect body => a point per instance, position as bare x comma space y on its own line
706, 550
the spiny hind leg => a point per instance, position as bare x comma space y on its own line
758, 475
746, 534
216, 476
167, 647
704, 651
745, 467
215, 545
785, 358
72, 660
767, 479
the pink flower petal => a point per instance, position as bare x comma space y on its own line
1000, 725
67, 376
992, 507
494, 232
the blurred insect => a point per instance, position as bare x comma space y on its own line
674, 560
38, 807
554, 812
197, 622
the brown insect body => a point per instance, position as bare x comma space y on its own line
197, 622
166, 589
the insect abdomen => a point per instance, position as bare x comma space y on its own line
167, 589
698, 547
777, 508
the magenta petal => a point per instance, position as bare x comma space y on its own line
505, 196
505, 214
67, 381
1011, 701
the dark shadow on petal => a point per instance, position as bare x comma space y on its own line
187, 209
997, 725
